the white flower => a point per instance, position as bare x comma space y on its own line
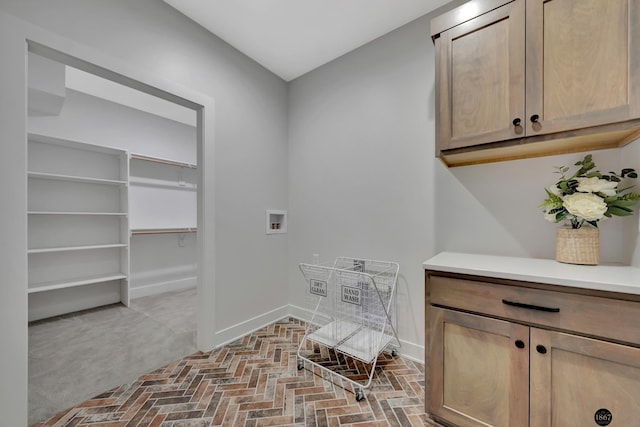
587, 206
551, 217
597, 185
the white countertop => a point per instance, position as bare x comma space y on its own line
612, 278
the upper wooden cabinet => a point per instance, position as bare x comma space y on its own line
526, 78
480, 78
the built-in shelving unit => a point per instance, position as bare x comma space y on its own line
78, 209
164, 222
163, 194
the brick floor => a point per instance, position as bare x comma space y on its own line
255, 382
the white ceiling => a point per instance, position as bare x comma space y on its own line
292, 37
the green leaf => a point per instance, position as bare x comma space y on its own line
619, 211
563, 186
588, 166
561, 215
622, 203
552, 201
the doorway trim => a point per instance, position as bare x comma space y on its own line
17, 38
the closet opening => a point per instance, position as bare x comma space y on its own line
114, 213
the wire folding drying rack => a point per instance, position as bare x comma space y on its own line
354, 312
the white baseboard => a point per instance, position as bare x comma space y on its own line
407, 349
159, 288
237, 331
300, 313
412, 351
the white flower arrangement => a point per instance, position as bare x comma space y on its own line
588, 195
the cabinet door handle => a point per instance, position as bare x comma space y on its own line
516, 122
541, 349
531, 306
535, 118
519, 343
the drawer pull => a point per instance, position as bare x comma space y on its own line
531, 306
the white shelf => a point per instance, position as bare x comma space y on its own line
75, 248
150, 182
160, 160
63, 142
84, 179
77, 213
148, 231
70, 283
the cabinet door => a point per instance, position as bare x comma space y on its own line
583, 382
480, 79
583, 63
478, 370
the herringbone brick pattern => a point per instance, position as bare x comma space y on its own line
255, 382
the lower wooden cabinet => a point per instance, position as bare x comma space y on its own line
509, 372
479, 377
577, 381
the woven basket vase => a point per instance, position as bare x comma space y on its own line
578, 246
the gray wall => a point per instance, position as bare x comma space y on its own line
250, 133
364, 181
361, 165
250, 161
353, 141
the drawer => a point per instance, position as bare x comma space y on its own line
590, 315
